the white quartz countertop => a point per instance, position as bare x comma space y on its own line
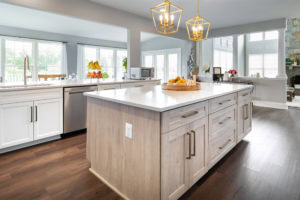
5, 87
156, 99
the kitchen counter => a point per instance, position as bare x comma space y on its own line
157, 99
6, 87
147, 143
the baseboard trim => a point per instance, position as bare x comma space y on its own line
29, 144
269, 104
109, 185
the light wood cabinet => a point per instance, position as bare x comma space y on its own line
16, 124
48, 118
244, 119
183, 154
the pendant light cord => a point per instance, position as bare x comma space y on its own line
198, 7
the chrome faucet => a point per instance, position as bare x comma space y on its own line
26, 66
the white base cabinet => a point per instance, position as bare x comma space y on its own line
16, 124
41, 116
48, 118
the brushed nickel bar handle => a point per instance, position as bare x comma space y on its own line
224, 145
221, 103
190, 114
194, 148
190, 149
247, 111
138, 85
36, 113
246, 94
228, 118
31, 114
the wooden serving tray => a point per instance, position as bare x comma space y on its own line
180, 87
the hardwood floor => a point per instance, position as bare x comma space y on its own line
264, 166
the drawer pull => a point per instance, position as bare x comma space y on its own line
190, 114
246, 94
222, 122
138, 85
221, 103
246, 111
222, 147
190, 148
194, 148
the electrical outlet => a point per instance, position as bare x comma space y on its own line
128, 130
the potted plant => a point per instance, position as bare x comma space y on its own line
232, 73
125, 67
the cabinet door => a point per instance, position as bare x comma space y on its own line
198, 162
16, 124
174, 163
244, 119
48, 118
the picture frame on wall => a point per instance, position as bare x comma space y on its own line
217, 70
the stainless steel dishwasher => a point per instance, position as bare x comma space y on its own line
75, 106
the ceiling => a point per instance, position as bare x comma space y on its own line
21, 17
222, 13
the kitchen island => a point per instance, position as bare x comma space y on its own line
149, 143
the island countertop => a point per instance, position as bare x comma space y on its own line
157, 99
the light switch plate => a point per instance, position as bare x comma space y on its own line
128, 130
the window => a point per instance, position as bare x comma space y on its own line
264, 64
44, 58
256, 37
166, 63
110, 58
50, 58
223, 56
262, 55
271, 35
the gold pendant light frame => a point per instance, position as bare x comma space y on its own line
197, 27
164, 16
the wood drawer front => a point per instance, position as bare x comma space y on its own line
109, 87
219, 146
178, 117
245, 95
222, 102
222, 120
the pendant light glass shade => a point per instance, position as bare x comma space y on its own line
197, 27
166, 17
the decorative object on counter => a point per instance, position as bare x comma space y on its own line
166, 17
96, 71
257, 75
191, 63
217, 74
226, 76
233, 73
182, 84
206, 68
125, 67
197, 27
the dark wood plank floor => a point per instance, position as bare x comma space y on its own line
264, 166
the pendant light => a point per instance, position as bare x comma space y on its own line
166, 17
197, 27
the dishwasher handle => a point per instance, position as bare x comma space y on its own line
81, 91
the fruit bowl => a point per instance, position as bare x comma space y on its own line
180, 86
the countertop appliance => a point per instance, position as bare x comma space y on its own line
75, 107
141, 73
